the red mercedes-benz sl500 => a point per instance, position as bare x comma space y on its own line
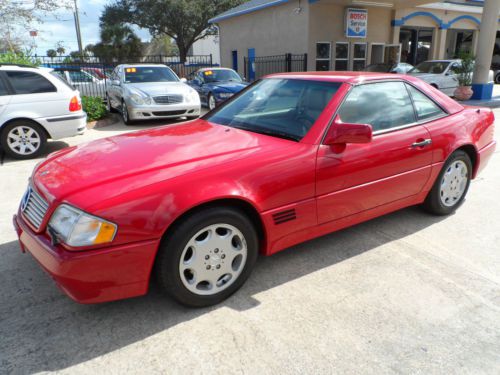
290, 158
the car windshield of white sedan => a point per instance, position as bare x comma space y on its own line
143, 74
434, 67
284, 108
220, 75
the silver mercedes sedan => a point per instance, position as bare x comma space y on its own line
150, 91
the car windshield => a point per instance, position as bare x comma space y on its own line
434, 67
143, 74
284, 108
380, 68
220, 75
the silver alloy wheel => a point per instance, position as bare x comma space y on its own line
453, 183
124, 112
213, 259
211, 102
23, 140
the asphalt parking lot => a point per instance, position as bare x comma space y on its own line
404, 293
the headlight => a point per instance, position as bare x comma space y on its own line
225, 95
140, 99
192, 96
76, 228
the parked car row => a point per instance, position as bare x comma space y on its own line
441, 74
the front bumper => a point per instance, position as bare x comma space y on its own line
92, 276
155, 111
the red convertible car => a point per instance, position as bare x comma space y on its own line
290, 158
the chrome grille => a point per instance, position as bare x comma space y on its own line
34, 207
168, 99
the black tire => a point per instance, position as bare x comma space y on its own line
433, 202
192, 117
497, 78
125, 116
172, 246
25, 124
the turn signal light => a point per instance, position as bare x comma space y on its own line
75, 104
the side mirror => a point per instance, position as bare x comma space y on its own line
184, 80
115, 82
343, 133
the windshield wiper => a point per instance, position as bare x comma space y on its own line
273, 133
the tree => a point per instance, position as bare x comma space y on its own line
60, 48
16, 17
118, 43
185, 21
51, 53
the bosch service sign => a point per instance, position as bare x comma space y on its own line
356, 23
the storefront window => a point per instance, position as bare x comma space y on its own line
341, 56
359, 56
323, 56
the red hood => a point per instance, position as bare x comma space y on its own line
187, 146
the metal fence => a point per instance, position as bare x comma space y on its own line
258, 67
90, 75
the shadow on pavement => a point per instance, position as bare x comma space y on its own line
42, 330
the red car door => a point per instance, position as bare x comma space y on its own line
396, 164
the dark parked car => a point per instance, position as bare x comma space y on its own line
401, 68
216, 85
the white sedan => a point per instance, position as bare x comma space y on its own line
442, 74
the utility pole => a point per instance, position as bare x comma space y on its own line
77, 27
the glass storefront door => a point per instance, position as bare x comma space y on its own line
416, 45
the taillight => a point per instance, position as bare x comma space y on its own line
75, 104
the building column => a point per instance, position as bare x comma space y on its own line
486, 41
395, 34
439, 44
475, 38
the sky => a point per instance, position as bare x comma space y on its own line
60, 26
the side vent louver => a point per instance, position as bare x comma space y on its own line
284, 216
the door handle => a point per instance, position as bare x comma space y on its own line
422, 143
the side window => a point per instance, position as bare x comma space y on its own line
29, 83
424, 107
3, 88
79, 76
454, 68
383, 105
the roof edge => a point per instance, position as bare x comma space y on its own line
246, 11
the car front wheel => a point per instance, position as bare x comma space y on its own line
23, 139
125, 114
211, 102
451, 186
207, 257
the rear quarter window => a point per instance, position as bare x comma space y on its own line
29, 83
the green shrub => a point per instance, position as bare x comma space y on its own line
23, 58
94, 106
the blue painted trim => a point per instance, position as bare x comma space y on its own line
246, 11
440, 23
464, 17
251, 60
482, 91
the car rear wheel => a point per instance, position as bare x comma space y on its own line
451, 186
125, 114
23, 139
211, 102
207, 257
497, 78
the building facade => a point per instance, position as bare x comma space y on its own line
349, 34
